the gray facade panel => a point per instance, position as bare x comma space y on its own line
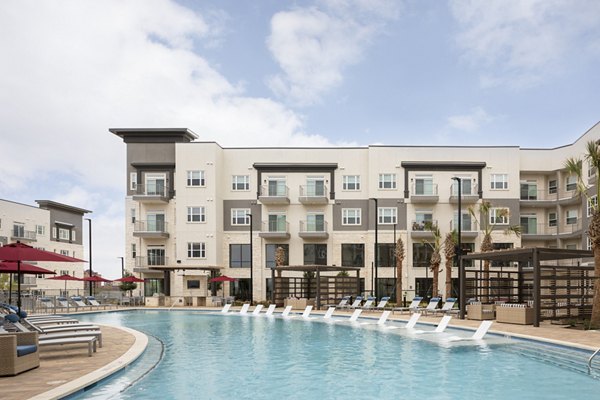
367, 208
514, 210
69, 218
255, 210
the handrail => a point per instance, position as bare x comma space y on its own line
590, 360
175, 302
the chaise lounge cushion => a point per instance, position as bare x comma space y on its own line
26, 349
12, 318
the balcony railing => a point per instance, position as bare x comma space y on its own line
313, 226
419, 226
470, 190
313, 194
275, 230
427, 189
544, 229
274, 194
150, 226
142, 262
465, 226
23, 235
151, 192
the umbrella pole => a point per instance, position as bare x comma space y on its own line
19, 286
10, 289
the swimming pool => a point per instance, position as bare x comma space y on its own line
223, 357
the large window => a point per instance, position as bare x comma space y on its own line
240, 216
552, 186
277, 222
387, 215
271, 251
421, 254
276, 186
156, 184
351, 216
239, 256
64, 234
195, 178
240, 289
240, 183
196, 214
499, 181
529, 190
351, 182
571, 183
19, 230
386, 287
196, 250
315, 186
571, 217
315, 223
315, 254
529, 224
499, 216
353, 255
386, 255
387, 181
424, 186
423, 287
156, 256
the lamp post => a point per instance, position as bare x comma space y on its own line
394, 264
251, 234
461, 279
89, 220
376, 245
122, 266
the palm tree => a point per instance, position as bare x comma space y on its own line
436, 258
450, 252
399, 255
487, 243
574, 166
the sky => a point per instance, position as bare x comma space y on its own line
278, 73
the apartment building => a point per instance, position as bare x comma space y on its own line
50, 226
194, 207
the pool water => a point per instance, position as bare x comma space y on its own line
210, 356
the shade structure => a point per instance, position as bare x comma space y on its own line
19, 252
11, 267
130, 279
222, 278
65, 278
95, 278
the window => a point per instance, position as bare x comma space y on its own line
276, 186
424, 186
54, 232
155, 222
133, 250
40, 229
315, 187
499, 216
64, 234
571, 217
571, 182
499, 181
552, 219
277, 223
588, 243
240, 289
529, 224
421, 254
386, 255
239, 256
239, 216
351, 216
502, 246
387, 181
423, 219
592, 205
155, 184
193, 284
133, 215
466, 189
386, 215
18, 230
552, 186
353, 255
528, 190
466, 223
271, 251
133, 181
315, 223
156, 256
315, 254
73, 235
196, 250
240, 182
351, 182
195, 178
196, 214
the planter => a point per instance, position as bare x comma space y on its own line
481, 312
514, 314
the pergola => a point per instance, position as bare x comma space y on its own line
534, 267
324, 288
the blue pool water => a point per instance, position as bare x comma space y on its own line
244, 357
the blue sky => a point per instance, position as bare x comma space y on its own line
282, 73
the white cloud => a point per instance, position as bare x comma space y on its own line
521, 43
471, 122
314, 45
77, 68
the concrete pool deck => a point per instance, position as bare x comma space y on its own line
67, 370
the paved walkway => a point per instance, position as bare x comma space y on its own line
59, 365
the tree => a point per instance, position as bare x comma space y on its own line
436, 258
449, 253
487, 243
127, 286
574, 167
399, 255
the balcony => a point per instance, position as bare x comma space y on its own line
532, 196
150, 229
313, 194
151, 262
422, 229
534, 230
313, 230
468, 228
151, 193
426, 193
468, 194
275, 230
276, 194
23, 235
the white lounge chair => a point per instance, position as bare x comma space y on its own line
79, 302
440, 328
257, 309
409, 325
369, 303
382, 303
270, 310
47, 303
226, 308
357, 302
384, 316
329, 313
433, 303
93, 302
63, 302
89, 340
64, 335
447, 307
342, 304
353, 318
412, 306
286, 311
478, 335
245, 308
305, 314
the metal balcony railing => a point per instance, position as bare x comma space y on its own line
426, 189
157, 260
313, 226
277, 190
150, 226
420, 226
151, 189
465, 225
276, 226
467, 190
313, 191
19, 234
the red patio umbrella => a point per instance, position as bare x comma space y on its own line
10, 267
19, 252
222, 278
95, 278
131, 279
65, 278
